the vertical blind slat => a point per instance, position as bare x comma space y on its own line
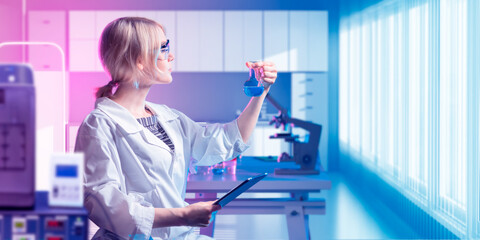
404, 105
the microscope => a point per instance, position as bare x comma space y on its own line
304, 153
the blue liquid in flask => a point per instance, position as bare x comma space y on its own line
253, 87
253, 91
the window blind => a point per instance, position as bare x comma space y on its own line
409, 102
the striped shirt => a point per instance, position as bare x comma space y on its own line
154, 126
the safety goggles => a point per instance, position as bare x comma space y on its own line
164, 51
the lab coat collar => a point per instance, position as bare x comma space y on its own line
125, 120
164, 114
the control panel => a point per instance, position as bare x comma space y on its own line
66, 181
44, 223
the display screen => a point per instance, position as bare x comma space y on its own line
66, 171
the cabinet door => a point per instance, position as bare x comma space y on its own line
210, 41
243, 39
83, 55
103, 18
81, 25
318, 99
308, 41
276, 38
252, 37
50, 121
148, 14
299, 47
318, 41
46, 26
234, 41
310, 103
188, 35
200, 41
82, 45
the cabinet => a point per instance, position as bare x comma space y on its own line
188, 36
215, 41
310, 103
317, 41
50, 122
298, 41
211, 41
83, 55
276, 38
82, 24
46, 26
103, 18
308, 41
243, 39
200, 41
85, 29
83, 45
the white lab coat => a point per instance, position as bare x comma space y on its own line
129, 171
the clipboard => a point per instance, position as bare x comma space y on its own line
242, 187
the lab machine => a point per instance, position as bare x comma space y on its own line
24, 213
17, 136
43, 222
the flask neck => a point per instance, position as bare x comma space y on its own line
252, 74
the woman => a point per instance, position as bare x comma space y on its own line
138, 153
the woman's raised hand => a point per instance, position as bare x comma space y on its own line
265, 71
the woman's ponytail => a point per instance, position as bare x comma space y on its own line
107, 90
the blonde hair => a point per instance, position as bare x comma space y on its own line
123, 43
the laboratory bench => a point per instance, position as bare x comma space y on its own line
296, 207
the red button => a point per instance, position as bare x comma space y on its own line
52, 224
55, 224
54, 238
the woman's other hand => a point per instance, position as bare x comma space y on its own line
265, 71
199, 214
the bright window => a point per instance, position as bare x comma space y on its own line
374, 72
366, 93
390, 90
453, 105
355, 107
400, 91
344, 88
418, 98
407, 100
379, 90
